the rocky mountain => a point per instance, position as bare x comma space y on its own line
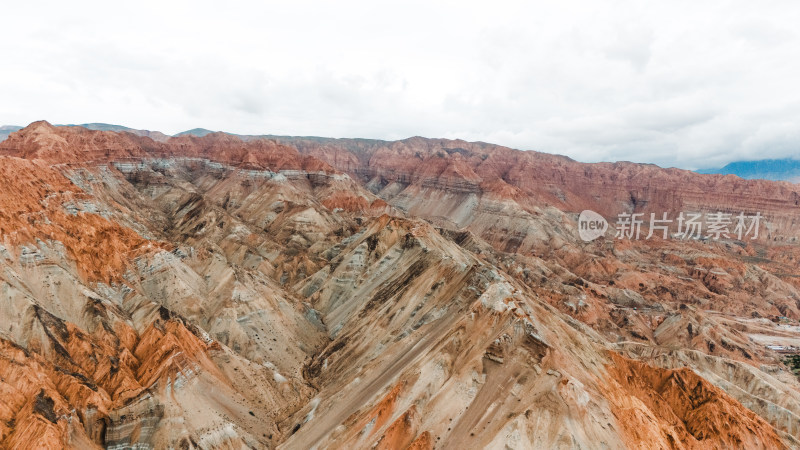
787, 169
227, 292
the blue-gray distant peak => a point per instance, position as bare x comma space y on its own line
787, 169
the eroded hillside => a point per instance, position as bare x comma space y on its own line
219, 293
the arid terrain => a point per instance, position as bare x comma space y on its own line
274, 292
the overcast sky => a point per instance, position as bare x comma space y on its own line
691, 84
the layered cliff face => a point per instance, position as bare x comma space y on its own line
460, 182
223, 293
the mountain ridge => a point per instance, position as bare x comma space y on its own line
784, 169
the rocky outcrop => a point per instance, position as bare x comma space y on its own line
41, 206
676, 408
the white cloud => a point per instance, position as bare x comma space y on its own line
692, 84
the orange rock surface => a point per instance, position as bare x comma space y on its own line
33, 205
679, 409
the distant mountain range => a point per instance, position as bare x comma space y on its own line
5, 130
154, 135
199, 132
786, 169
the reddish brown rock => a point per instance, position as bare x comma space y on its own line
33, 205
76, 145
679, 409
536, 179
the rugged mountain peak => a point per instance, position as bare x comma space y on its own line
40, 125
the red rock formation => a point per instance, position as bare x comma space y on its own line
33, 205
65, 397
422, 442
402, 433
71, 145
538, 179
530, 178
679, 409
346, 201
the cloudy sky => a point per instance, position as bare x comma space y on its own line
691, 84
